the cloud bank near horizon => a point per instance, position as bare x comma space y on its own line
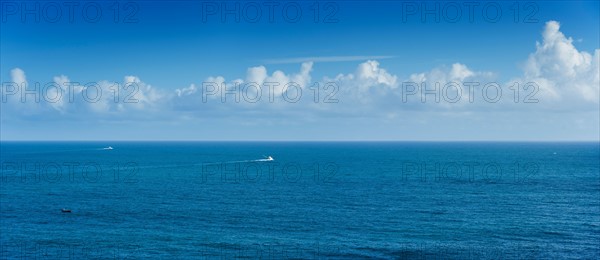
565, 79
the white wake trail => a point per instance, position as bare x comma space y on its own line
244, 161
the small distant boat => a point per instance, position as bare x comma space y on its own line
65, 210
107, 148
269, 158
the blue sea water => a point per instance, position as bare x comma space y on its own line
316, 200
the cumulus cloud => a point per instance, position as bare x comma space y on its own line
186, 91
565, 75
457, 85
61, 82
140, 94
277, 82
371, 74
27, 103
259, 75
63, 97
256, 74
18, 76
562, 71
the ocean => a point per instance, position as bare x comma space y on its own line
315, 200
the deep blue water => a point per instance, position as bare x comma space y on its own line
323, 200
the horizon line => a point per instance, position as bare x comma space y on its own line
320, 141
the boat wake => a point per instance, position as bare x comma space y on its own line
266, 159
138, 167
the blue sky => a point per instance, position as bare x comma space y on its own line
168, 47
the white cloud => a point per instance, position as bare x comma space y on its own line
371, 74
18, 76
562, 71
565, 75
60, 90
260, 76
140, 93
256, 74
186, 91
20, 85
451, 83
63, 97
460, 72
